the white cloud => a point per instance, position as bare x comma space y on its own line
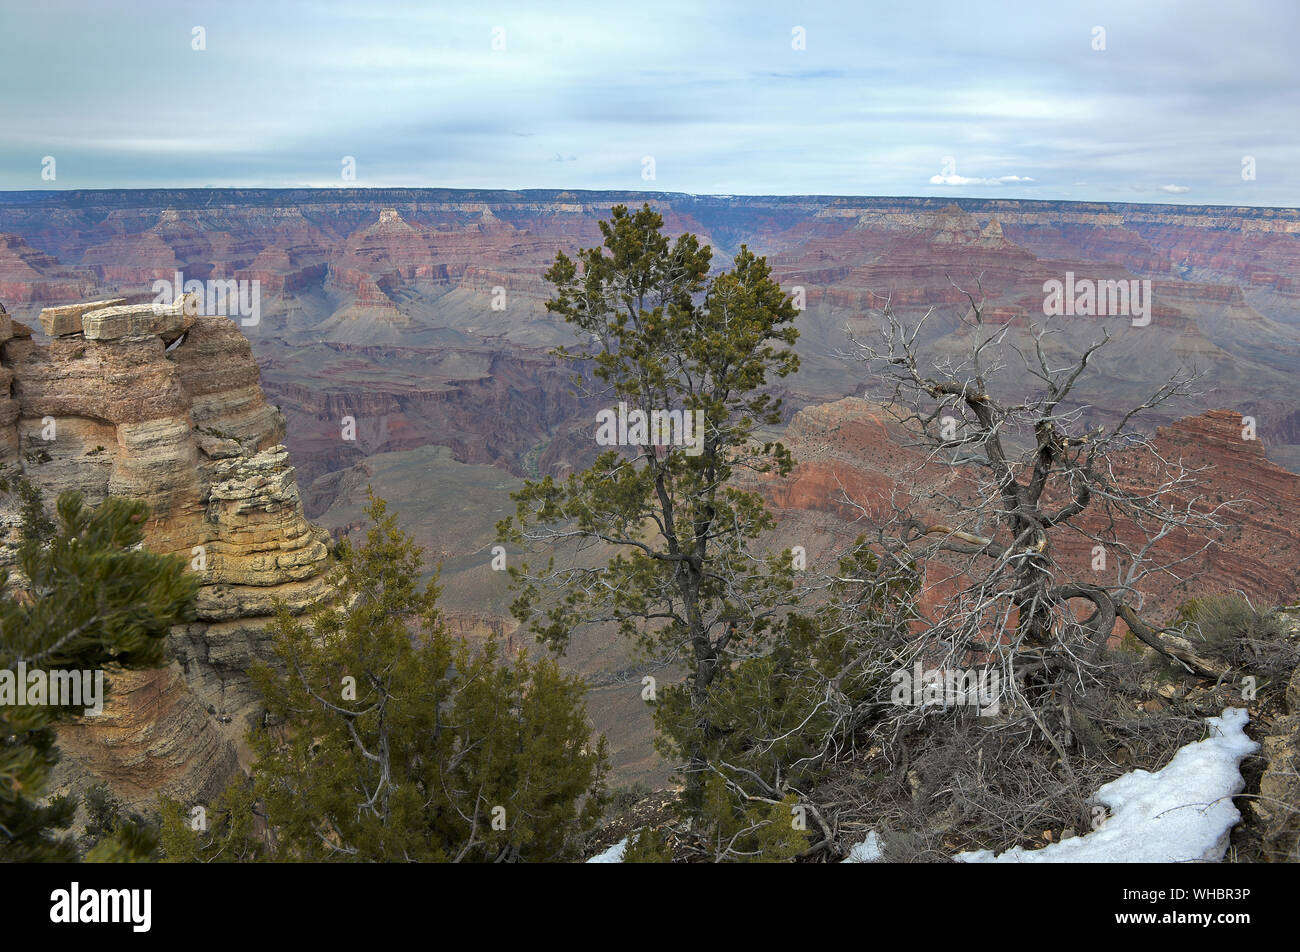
1175, 189
963, 180
420, 97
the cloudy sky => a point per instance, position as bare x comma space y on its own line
1139, 100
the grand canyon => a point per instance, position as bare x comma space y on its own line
401, 343
537, 434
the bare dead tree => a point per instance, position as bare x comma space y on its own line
1008, 484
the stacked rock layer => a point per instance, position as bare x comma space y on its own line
163, 404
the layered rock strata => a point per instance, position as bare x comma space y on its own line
164, 405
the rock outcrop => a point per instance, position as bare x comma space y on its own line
162, 404
1278, 806
65, 320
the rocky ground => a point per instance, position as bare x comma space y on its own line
867, 800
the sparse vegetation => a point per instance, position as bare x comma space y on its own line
388, 739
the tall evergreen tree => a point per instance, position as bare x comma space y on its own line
672, 534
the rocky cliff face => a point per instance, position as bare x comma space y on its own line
852, 465
163, 405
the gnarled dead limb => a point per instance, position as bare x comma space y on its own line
1172, 646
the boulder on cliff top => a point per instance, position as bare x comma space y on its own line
66, 319
138, 320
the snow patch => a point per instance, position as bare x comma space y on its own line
868, 851
1181, 813
612, 855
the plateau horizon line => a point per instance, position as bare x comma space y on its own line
977, 200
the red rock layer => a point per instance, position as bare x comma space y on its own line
852, 466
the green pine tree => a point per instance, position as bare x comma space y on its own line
226, 834
390, 740
85, 596
751, 832
672, 533
648, 846
782, 718
116, 834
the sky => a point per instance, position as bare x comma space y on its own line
1135, 101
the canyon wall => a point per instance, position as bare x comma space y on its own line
854, 465
164, 405
420, 314
409, 308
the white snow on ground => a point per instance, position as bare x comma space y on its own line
612, 855
868, 851
1181, 813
